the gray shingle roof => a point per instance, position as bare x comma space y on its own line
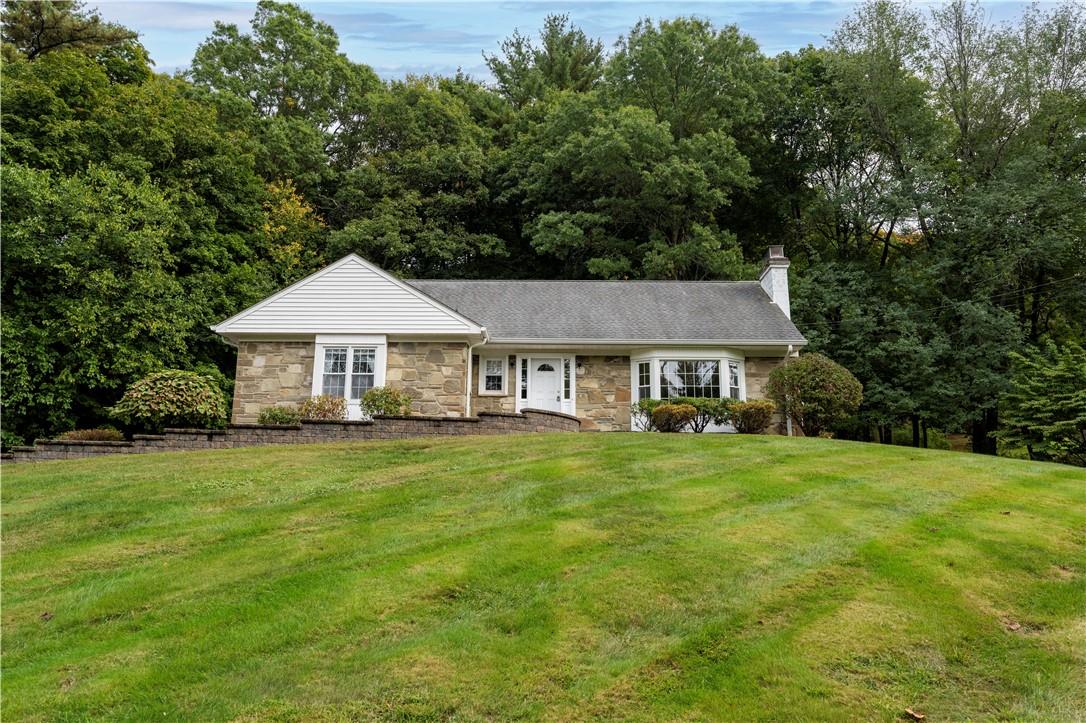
710, 311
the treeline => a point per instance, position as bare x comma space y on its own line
926, 173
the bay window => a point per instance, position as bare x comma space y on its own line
666, 376
690, 378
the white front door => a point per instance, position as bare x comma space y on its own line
547, 384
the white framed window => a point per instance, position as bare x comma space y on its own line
347, 366
644, 380
690, 378
668, 374
492, 376
735, 380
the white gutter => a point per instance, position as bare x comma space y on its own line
467, 382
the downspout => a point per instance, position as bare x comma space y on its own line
467, 383
787, 412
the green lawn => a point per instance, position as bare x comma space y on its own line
549, 576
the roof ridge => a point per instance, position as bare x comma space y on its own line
580, 281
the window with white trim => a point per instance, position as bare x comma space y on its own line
567, 379
690, 378
361, 375
524, 378
644, 380
734, 377
493, 376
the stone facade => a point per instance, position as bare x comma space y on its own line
506, 402
603, 393
431, 373
271, 373
757, 374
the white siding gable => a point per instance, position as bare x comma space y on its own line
351, 296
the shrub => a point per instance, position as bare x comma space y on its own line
386, 400
673, 417
641, 414
709, 411
100, 434
172, 398
324, 407
10, 439
752, 417
816, 391
279, 415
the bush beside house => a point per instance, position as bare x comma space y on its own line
752, 417
815, 391
172, 398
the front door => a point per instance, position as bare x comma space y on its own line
547, 384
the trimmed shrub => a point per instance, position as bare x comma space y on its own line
752, 417
324, 407
279, 415
673, 417
816, 391
386, 400
710, 411
99, 434
172, 398
641, 414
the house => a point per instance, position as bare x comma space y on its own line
584, 348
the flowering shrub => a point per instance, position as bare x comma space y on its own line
324, 407
673, 417
100, 434
386, 400
752, 417
279, 415
172, 398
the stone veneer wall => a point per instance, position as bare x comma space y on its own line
603, 393
308, 432
494, 403
271, 373
757, 373
431, 373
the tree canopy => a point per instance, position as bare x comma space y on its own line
926, 170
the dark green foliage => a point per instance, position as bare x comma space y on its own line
172, 398
32, 28
10, 439
709, 411
816, 391
279, 415
924, 171
565, 59
669, 417
386, 400
324, 407
1045, 409
98, 434
752, 417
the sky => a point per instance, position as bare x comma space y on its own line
404, 37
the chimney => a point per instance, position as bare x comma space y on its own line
774, 278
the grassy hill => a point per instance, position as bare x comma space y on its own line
556, 576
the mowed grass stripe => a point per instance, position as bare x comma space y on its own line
634, 576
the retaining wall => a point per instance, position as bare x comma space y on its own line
307, 432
